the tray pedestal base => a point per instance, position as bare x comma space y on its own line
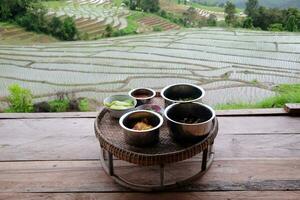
107, 163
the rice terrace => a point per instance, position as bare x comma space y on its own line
232, 64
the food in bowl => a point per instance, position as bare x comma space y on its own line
142, 95
189, 122
182, 93
118, 105
141, 127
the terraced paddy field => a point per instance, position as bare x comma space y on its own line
91, 16
232, 65
158, 22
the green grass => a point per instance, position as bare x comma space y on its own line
59, 105
117, 2
7, 25
132, 21
286, 93
20, 99
132, 25
84, 105
157, 28
55, 5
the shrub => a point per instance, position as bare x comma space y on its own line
59, 105
276, 27
248, 23
55, 26
149, 6
157, 28
291, 24
83, 105
173, 18
146, 5
212, 20
69, 30
64, 30
34, 19
117, 33
162, 13
20, 99
10, 9
108, 31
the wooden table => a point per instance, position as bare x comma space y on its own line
55, 156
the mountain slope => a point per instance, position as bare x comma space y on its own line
267, 3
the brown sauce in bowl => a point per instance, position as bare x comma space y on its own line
141, 96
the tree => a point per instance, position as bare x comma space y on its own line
251, 8
69, 29
134, 4
149, 6
248, 23
34, 18
212, 20
291, 24
230, 13
64, 30
11, 9
146, 5
55, 26
190, 16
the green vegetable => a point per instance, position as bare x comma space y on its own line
120, 105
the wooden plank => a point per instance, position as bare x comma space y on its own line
226, 146
257, 146
88, 176
242, 112
48, 115
238, 195
50, 139
73, 139
255, 112
293, 109
259, 125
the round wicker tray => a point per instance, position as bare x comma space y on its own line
112, 143
111, 139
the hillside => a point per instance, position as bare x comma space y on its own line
227, 63
91, 17
13, 34
267, 3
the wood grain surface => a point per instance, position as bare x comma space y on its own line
56, 157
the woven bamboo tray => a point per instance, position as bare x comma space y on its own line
110, 136
167, 151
